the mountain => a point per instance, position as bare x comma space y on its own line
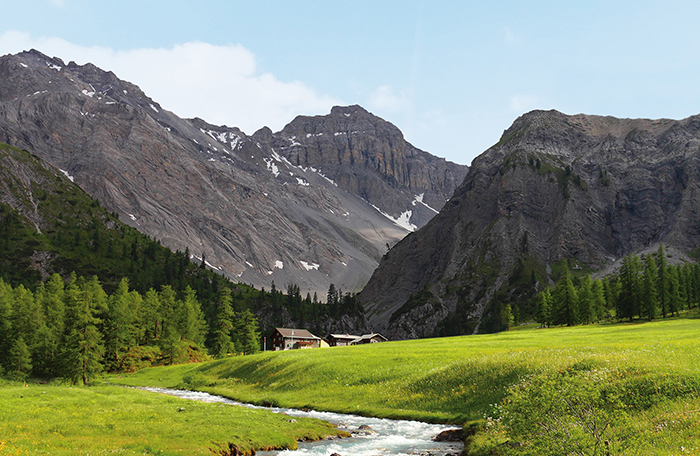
582, 189
49, 225
317, 203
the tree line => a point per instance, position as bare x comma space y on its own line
644, 287
75, 330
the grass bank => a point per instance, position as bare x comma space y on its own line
442, 380
635, 385
59, 420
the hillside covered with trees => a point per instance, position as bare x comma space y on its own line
81, 292
644, 288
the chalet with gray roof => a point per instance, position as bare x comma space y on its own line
290, 339
343, 340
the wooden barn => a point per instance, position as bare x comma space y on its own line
343, 340
290, 339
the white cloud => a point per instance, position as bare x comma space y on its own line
220, 84
386, 98
522, 103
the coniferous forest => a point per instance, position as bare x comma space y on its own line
82, 293
645, 287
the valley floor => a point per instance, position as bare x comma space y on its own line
636, 384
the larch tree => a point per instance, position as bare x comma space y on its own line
649, 297
83, 349
223, 324
585, 301
599, 301
544, 308
566, 300
663, 284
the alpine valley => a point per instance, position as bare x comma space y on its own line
315, 204
436, 248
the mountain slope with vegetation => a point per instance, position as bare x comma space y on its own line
258, 208
581, 190
80, 292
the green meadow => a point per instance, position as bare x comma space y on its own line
647, 372
637, 383
60, 420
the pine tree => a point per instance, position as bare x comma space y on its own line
628, 300
689, 286
19, 360
544, 308
585, 301
83, 349
674, 303
664, 285
649, 295
565, 300
223, 324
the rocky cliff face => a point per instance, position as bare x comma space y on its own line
369, 157
260, 209
585, 189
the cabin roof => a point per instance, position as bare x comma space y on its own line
344, 336
296, 333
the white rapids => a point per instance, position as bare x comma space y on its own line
386, 437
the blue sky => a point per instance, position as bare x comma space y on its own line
452, 75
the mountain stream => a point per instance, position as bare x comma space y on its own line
385, 437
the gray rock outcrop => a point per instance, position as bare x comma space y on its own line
264, 208
585, 189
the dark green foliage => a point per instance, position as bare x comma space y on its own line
83, 349
566, 301
649, 296
543, 314
19, 361
246, 336
640, 289
162, 307
628, 302
223, 325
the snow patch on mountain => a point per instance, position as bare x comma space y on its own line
67, 175
309, 266
419, 199
404, 220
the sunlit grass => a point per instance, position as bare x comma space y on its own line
447, 379
58, 420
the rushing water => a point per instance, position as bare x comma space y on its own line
386, 437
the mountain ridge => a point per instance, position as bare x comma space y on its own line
237, 201
581, 189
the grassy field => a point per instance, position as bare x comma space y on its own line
460, 379
59, 420
447, 379
642, 378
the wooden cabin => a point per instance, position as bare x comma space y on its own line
340, 340
290, 339
343, 340
369, 339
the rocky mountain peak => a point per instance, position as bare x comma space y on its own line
582, 189
286, 207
